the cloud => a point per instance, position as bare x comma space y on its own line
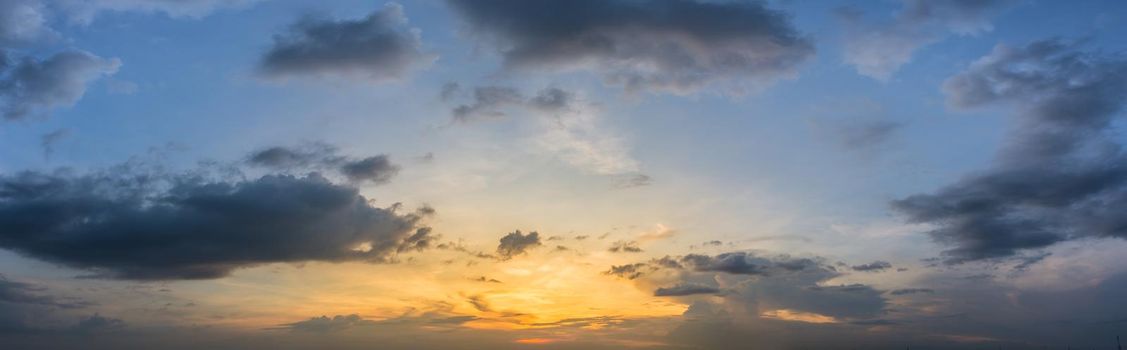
319, 156
674, 46
625, 247
516, 243
1059, 175
879, 49
487, 102
375, 48
376, 169
633, 180
278, 157
736, 263
758, 287
15, 292
659, 232
876, 266
325, 324
572, 128
98, 323
131, 224
685, 289
864, 134
23, 22
49, 140
84, 11
490, 102
908, 291
34, 86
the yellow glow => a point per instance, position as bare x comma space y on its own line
536, 341
798, 316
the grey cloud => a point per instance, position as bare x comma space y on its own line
98, 323
552, 99
278, 157
491, 102
735, 263
23, 22
630, 271
374, 48
449, 91
85, 11
879, 48
318, 156
516, 243
325, 324
1059, 176
625, 247
678, 46
377, 169
487, 102
16, 292
154, 226
758, 284
865, 134
32, 87
876, 266
633, 180
49, 140
908, 291
685, 289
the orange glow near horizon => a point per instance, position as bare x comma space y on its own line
536, 340
798, 316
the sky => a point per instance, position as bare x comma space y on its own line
562, 174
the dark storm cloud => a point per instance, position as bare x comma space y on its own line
625, 247
876, 266
375, 48
879, 48
1059, 176
685, 289
677, 45
153, 226
491, 102
32, 87
516, 243
318, 156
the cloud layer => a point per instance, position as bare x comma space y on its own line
879, 48
1060, 175
676, 46
31, 86
375, 48
144, 225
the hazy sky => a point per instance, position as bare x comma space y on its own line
562, 174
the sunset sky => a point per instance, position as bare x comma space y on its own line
562, 174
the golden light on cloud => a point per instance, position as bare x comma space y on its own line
536, 340
798, 316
